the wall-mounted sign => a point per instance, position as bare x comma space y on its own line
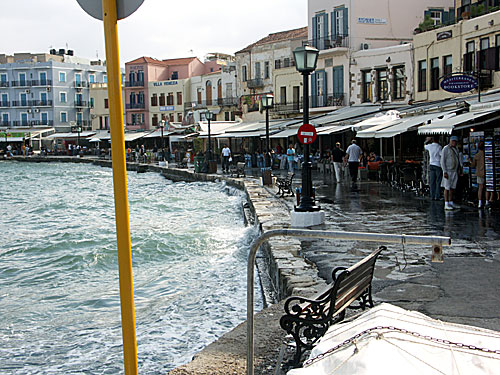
459, 83
372, 21
444, 35
167, 108
165, 83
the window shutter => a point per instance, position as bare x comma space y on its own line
346, 22
491, 58
315, 31
325, 86
445, 17
427, 13
325, 24
451, 15
334, 25
314, 90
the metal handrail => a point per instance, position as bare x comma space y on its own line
435, 241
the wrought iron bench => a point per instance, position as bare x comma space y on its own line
284, 185
308, 319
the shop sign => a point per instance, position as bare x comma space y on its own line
459, 83
165, 83
444, 35
372, 21
167, 108
306, 134
13, 135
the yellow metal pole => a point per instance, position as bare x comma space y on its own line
120, 187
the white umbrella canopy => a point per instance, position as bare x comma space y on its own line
390, 340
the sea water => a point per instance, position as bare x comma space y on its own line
59, 290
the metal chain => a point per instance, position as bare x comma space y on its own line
400, 330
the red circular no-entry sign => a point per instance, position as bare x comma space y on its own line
307, 134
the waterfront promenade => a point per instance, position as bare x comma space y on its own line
463, 289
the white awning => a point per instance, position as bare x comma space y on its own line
286, 133
134, 136
407, 123
327, 130
257, 133
344, 113
371, 131
157, 134
83, 134
447, 124
387, 118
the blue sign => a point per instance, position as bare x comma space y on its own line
459, 83
167, 108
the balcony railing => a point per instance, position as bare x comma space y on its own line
81, 103
329, 42
22, 103
20, 123
135, 106
327, 100
81, 84
41, 122
255, 83
82, 122
4, 104
4, 123
4, 84
134, 83
221, 102
43, 82
42, 103
284, 108
24, 83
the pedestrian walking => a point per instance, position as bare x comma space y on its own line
478, 163
435, 171
353, 156
290, 156
226, 154
338, 159
450, 164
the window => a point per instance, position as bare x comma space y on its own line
170, 99
5, 119
179, 98
434, 78
105, 78
266, 70
175, 75
367, 86
469, 57
140, 76
43, 78
3, 78
24, 119
447, 65
154, 100
62, 97
92, 78
382, 85
78, 79
257, 70
22, 79
422, 75
91, 102
233, 116
5, 100
198, 93
44, 117
244, 77
497, 52
399, 82
155, 120
283, 95
162, 99
171, 117
277, 64
286, 62
328, 63
179, 117
106, 103
484, 45
436, 16
63, 117
62, 76
226, 116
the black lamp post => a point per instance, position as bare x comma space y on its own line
267, 101
305, 62
209, 116
162, 125
79, 130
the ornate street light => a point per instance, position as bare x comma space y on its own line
209, 116
305, 62
267, 101
162, 125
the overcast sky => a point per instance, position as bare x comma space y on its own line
159, 28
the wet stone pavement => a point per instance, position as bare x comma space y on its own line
464, 289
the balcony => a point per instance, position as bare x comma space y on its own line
81, 84
135, 106
81, 103
44, 82
287, 108
21, 103
255, 83
4, 104
42, 103
329, 42
20, 123
4, 123
134, 83
24, 83
42, 122
327, 100
4, 84
83, 123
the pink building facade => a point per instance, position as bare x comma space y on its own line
143, 70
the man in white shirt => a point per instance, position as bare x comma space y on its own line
353, 154
226, 154
435, 170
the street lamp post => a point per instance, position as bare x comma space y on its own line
305, 62
267, 101
79, 130
209, 116
162, 125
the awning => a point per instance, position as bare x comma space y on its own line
447, 124
257, 133
345, 113
406, 124
285, 133
157, 134
380, 119
327, 130
129, 137
71, 135
371, 131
